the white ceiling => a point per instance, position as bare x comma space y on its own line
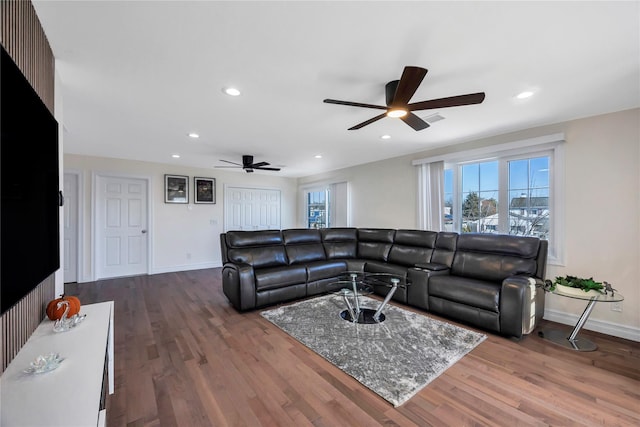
138, 76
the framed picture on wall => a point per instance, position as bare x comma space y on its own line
176, 189
204, 190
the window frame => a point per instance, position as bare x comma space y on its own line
327, 204
551, 146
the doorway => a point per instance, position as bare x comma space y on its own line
251, 209
121, 245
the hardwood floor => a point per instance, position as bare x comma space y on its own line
185, 357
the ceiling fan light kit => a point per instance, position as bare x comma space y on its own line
397, 112
398, 93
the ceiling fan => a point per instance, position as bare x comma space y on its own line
399, 92
248, 165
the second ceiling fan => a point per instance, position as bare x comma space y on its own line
398, 94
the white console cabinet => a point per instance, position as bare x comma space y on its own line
70, 395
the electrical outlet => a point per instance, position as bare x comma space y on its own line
188, 255
616, 306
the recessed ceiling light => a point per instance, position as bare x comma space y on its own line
318, 156
193, 135
232, 91
385, 137
524, 95
175, 156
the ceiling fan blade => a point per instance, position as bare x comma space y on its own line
368, 122
260, 164
354, 104
414, 121
409, 82
229, 167
452, 101
227, 161
267, 169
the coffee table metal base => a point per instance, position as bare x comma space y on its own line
366, 316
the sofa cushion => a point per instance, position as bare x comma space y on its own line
374, 251
421, 238
472, 292
411, 247
495, 257
238, 239
409, 252
320, 270
386, 268
260, 249
374, 243
375, 235
303, 245
519, 246
259, 257
445, 248
279, 277
340, 243
298, 254
301, 235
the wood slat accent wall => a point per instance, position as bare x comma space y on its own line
23, 38
18, 323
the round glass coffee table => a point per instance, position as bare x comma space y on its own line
351, 285
572, 341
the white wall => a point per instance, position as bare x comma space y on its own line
602, 208
382, 194
177, 229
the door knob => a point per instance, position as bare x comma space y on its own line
144, 231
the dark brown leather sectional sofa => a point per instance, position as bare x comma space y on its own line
486, 280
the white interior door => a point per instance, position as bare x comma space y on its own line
70, 221
121, 227
251, 209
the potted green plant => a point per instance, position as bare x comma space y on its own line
578, 286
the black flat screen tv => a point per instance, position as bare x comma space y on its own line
29, 214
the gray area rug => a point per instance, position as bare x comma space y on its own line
395, 358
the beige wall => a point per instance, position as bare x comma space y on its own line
177, 229
602, 208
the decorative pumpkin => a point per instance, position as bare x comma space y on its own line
55, 313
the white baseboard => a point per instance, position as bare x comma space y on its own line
186, 267
609, 328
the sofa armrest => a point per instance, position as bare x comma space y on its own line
238, 285
418, 290
431, 266
521, 305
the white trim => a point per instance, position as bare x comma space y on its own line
491, 151
604, 327
94, 201
80, 222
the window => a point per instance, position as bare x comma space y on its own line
481, 197
479, 194
318, 209
508, 189
325, 205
